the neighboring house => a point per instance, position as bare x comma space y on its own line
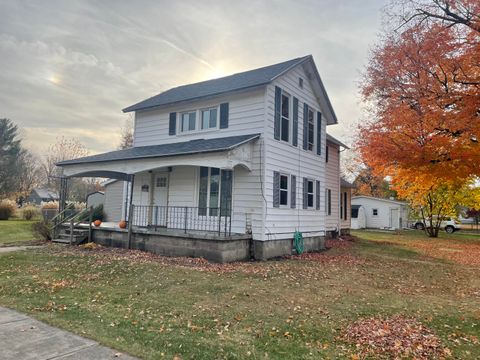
234, 166
39, 195
382, 213
95, 199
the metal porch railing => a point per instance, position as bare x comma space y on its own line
184, 218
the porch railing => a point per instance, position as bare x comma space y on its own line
184, 218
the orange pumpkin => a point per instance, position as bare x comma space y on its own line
122, 224
97, 223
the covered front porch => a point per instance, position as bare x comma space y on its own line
177, 195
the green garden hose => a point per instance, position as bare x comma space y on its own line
298, 242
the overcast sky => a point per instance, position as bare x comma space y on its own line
69, 67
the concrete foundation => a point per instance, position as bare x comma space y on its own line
206, 245
264, 250
210, 247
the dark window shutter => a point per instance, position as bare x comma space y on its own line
276, 189
305, 193
345, 203
224, 116
295, 122
319, 133
317, 195
326, 153
276, 121
172, 124
293, 192
305, 126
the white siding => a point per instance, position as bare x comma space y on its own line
246, 115
280, 156
332, 182
113, 201
382, 220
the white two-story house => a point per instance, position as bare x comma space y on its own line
226, 169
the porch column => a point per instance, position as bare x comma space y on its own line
63, 194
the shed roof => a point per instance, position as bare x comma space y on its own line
380, 199
163, 150
243, 80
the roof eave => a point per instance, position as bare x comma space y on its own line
228, 148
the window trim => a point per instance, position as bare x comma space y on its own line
288, 190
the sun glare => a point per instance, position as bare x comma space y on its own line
54, 79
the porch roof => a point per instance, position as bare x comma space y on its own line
164, 150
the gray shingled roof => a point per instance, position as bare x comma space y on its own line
345, 184
336, 141
243, 80
181, 148
46, 194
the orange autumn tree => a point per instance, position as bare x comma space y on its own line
422, 85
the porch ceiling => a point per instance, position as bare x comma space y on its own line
225, 153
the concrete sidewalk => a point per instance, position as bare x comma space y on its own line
24, 338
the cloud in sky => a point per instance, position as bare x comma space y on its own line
69, 67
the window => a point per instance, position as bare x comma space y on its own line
162, 181
375, 212
311, 130
328, 202
209, 118
310, 194
283, 190
215, 189
285, 121
300, 83
188, 121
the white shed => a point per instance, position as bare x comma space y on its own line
359, 220
382, 213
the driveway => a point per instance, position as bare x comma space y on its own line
24, 338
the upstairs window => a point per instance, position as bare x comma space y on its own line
209, 118
285, 122
189, 120
375, 212
311, 130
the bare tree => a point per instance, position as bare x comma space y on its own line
126, 140
30, 174
448, 12
63, 149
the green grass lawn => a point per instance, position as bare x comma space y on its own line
291, 309
16, 232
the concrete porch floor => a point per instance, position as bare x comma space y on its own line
24, 338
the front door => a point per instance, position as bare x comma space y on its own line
160, 196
